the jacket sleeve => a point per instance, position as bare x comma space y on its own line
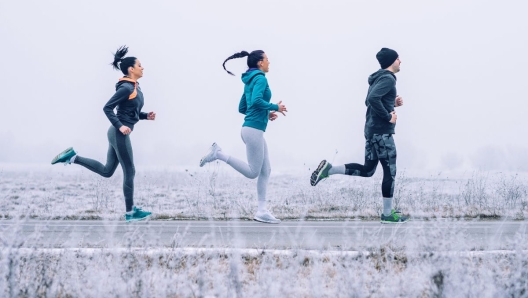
122, 94
242, 106
143, 116
382, 87
257, 96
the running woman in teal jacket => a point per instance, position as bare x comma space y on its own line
255, 104
129, 101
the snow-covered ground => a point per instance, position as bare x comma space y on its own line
390, 269
218, 192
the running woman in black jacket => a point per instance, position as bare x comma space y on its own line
128, 100
379, 128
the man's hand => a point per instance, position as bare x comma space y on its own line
394, 117
151, 116
399, 101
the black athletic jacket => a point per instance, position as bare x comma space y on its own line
380, 102
129, 100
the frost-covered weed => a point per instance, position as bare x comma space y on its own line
217, 192
428, 264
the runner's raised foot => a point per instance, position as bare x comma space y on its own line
64, 157
210, 155
320, 173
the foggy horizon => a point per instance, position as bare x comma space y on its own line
461, 79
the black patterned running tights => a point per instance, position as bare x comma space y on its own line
378, 148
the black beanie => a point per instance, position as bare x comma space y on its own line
386, 57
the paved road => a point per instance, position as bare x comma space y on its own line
348, 235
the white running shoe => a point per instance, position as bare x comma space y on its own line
266, 217
211, 155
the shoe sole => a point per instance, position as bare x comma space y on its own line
395, 222
138, 219
265, 221
55, 160
315, 175
202, 162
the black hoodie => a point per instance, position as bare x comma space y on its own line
129, 100
380, 101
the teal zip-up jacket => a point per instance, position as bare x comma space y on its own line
255, 102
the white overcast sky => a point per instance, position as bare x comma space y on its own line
463, 78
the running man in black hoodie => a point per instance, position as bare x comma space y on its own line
129, 101
381, 118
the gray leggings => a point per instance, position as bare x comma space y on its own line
119, 152
258, 160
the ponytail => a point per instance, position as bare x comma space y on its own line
237, 55
118, 56
122, 63
252, 61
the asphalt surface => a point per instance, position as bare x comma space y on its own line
342, 235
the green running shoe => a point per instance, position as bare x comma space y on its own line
137, 214
64, 157
320, 173
394, 218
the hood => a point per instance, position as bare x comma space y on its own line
250, 74
378, 74
126, 80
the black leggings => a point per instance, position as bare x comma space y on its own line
378, 148
119, 152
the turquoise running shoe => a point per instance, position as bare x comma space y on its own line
320, 173
64, 157
137, 214
394, 218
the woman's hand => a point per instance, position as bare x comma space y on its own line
272, 116
125, 130
282, 108
151, 116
